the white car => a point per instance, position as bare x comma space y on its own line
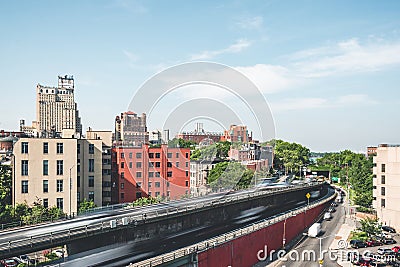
327, 216
59, 252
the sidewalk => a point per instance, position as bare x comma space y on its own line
341, 240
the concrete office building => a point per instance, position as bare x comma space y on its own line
61, 172
386, 184
56, 109
131, 129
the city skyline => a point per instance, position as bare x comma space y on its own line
330, 81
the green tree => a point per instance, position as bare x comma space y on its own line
86, 205
5, 192
290, 156
179, 142
369, 226
227, 175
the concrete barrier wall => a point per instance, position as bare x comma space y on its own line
242, 252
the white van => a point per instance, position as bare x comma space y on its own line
314, 230
327, 216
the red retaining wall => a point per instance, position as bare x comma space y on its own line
242, 252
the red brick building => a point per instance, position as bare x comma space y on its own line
237, 133
156, 172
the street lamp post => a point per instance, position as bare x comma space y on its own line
284, 230
70, 190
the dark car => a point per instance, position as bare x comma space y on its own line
373, 243
388, 241
9, 263
362, 262
388, 229
357, 244
334, 204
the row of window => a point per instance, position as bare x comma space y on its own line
59, 169
156, 164
153, 155
59, 185
152, 174
59, 148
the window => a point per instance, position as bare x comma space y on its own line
130, 165
24, 167
383, 191
106, 184
60, 148
122, 155
91, 148
91, 181
177, 164
187, 164
151, 174
157, 155
186, 183
138, 185
138, 165
383, 179
169, 164
168, 193
78, 181
149, 184
130, 155
167, 184
45, 186
157, 184
122, 165
383, 167
45, 203
122, 175
150, 164
78, 197
24, 187
45, 148
138, 155
187, 173
91, 165
138, 174
169, 174
122, 195
374, 187
78, 149
177, 155
60, 167
151, 155
24, 148
158, 164
169, 155
157, 174
60, 203
122, 185
60, 186
91, 195
157, 194
383, 204
78, 168
45, 167
138, 195
187, 155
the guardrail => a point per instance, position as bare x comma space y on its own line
216, 241
120, 221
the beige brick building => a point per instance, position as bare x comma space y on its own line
62, 171
386, 184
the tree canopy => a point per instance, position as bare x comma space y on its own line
290, 155
228, 175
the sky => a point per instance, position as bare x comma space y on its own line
329, 70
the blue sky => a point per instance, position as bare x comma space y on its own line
329, 69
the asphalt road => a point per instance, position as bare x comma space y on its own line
308, 244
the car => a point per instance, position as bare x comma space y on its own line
59, 252
373, 243
396, 249
331, 209
388, 229
384, 251
22, 259
327, 216
362, 262
33, 262
357, 244
377, 264
334, 204
9, 263
389, 241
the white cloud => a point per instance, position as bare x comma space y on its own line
344, 57
251, 23
269, 78
237, 47
131, 57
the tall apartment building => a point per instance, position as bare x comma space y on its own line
157, 172
386, 184
199, 170
237, 133
61, 172
131, 129
56, 109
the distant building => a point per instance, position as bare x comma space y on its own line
155, 137
131, 130
199, 170
199, 135
157, 172
62, 172
371, 151
237, 133
386, 184
56, 109
253, 156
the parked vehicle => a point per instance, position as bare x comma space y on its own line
357, 244
388, 229
331, 209
373, 243
384, 251
314, 230
327, 216
362, 262
9, 263
59, 253
334, 204
389, 241
396, 249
